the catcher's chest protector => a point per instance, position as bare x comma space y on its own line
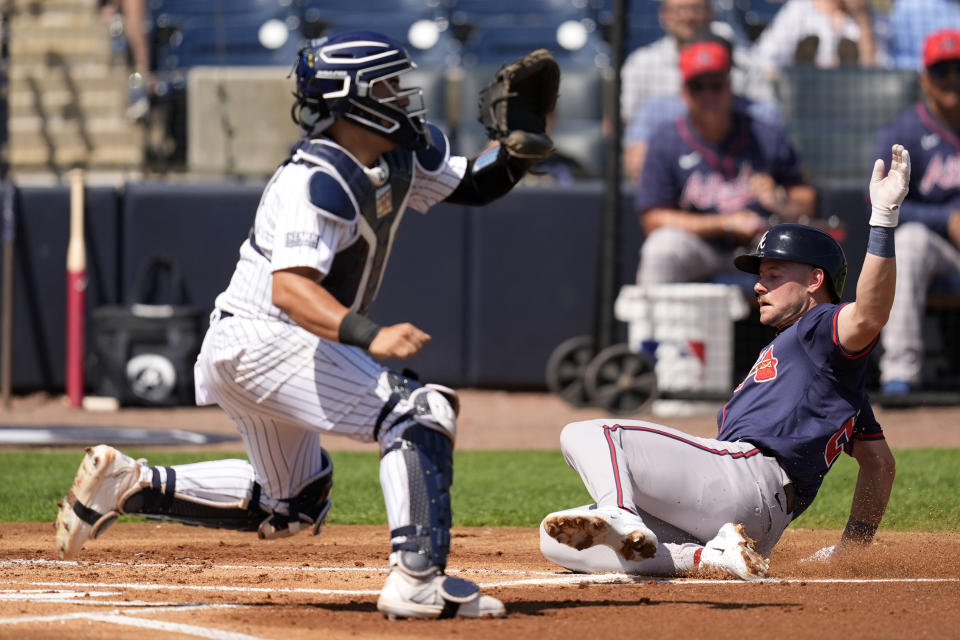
357, 270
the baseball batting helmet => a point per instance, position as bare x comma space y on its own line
356, 76
800, 243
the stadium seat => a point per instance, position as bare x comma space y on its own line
440, 51
495, 45
243, 33
834, 115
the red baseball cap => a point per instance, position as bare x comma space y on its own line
940, 46
703, 57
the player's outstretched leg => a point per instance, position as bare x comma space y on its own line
416, 472
732, 552
221, 494
584, 527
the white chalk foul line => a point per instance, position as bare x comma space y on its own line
556, 579
131, 621
95, 599
146, 586
249, 567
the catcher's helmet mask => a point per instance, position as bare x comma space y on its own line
800, 243
357, 76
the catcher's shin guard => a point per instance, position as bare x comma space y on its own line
161, 500
416, 473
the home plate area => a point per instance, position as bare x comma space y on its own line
168, 581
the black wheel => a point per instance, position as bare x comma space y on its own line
565, 369
620, 380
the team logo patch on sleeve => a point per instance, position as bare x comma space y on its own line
302, 239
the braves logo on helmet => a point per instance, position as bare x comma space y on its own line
357, 76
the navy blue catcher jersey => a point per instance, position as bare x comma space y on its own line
684, 171
934, 166
803, 402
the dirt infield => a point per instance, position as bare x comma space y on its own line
143, 578
150, 580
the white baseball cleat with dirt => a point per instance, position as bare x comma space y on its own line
105, 479
438, 596
732, 552
621, 530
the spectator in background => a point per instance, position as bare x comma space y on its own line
713, 178
655, 112
912, 20
929, 233
651, 71
825, 33
133, 14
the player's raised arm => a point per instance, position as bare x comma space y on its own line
859, 323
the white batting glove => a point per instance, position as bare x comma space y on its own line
824, 555
887, 194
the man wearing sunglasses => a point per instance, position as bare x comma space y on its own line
713, 177
929, 237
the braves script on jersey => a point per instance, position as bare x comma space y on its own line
803, 402
935, 159
682, 170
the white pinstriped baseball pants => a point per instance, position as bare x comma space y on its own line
284, 387
922, 254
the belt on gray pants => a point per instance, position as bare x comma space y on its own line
788, 494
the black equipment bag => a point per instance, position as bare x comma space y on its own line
141, 352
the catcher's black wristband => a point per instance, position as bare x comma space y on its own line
858, 531
357, 330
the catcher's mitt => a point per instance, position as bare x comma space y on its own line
515, 104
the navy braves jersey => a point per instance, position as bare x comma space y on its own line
684, 171
803, 402
935, 166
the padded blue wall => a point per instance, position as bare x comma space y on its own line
42, 216
497, 287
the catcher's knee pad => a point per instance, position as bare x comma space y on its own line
416, 472
432, 405
308, 508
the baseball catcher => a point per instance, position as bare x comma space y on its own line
290, 353
668, 503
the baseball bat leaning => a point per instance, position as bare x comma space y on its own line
8, 232
76, 291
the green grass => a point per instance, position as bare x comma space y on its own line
514, 488
926, 493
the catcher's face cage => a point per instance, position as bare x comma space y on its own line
357, 76
800, 243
